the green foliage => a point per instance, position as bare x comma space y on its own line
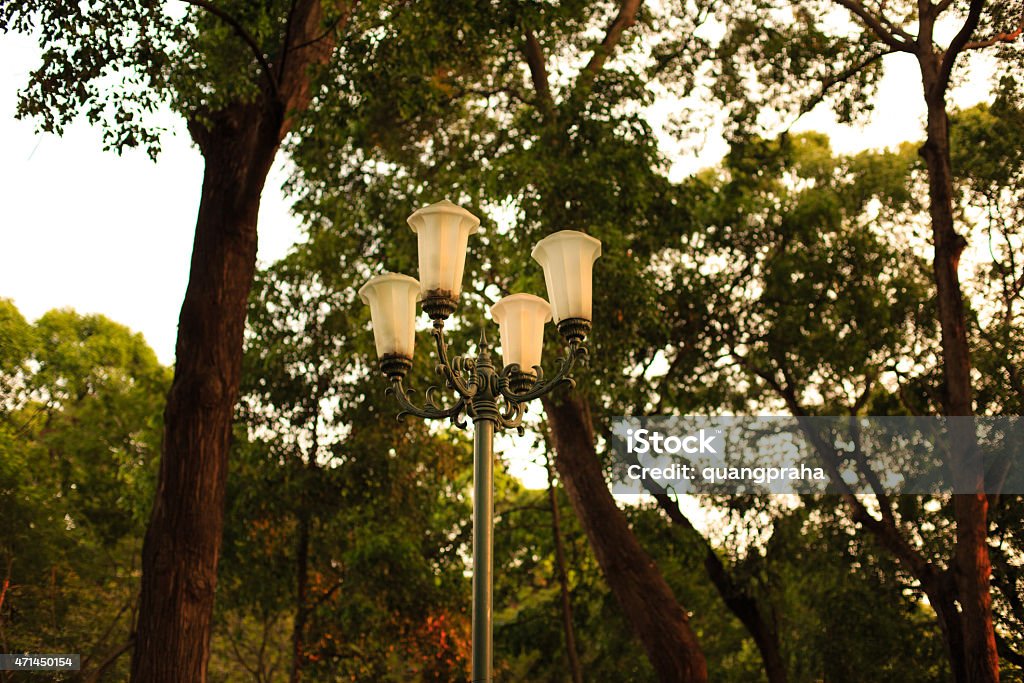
78, 449
106, 61
986, 149
795, 282
376, 508
780, 60
529, 634
786, 268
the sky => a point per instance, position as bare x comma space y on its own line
85, 229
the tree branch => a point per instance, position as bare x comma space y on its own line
246, 37
287, 37
662, 62
307, 45
94, 675
959, 42
625, 18
875, 25
538, 72
841, 77
997, 38
885, 530
1007, 652
327, 32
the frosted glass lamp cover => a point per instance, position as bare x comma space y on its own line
521, 319
568, 260
392, 300
442, 233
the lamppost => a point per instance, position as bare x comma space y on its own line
492, 398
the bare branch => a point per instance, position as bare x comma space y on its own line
287, 37
327, 32
895, 28
1008, 37
538, 72
625, 18
246, 37
841, 77
95, 675
959, 42
876, 25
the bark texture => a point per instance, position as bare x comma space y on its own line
646, 600
972, 565
183, 539
182, 544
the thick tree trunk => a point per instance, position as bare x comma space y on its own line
972, 567
575, 671
182, 544
646, 600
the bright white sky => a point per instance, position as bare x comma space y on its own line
89, 230
86, 229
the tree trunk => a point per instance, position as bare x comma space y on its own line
972, 567
301, 596
739, 601
943, 601
182, 544
575, 670
646, 600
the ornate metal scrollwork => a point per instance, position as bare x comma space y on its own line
479, 386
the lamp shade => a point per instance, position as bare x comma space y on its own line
392, 300
521, 319
568, 261
442, 233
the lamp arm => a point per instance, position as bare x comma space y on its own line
430, 411
512, 417
451, 371
577, 354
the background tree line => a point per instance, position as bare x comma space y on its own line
786, 278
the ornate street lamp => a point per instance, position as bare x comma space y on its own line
493, 398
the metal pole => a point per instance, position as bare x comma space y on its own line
483, 547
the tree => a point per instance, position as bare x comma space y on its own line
79, 437
320, 472
241, 76
572, 154
824, 308
986, 145
807, 53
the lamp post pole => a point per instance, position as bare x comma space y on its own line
494, 399
483, 542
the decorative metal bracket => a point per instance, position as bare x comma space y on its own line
478, 386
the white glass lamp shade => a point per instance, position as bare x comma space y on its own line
521, 319
442, 232
392, 300
568, 261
